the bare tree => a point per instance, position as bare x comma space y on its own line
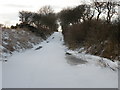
36, 19
25, 16
45, 18
111, 10
89, 12
46, 10
100, 7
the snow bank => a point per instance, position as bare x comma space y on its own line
17, 40
99, 61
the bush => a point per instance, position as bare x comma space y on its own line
98, 37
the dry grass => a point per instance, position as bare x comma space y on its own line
17, 39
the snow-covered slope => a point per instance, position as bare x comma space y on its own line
17, 40
48, 67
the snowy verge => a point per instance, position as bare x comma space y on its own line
97, 60
17, 40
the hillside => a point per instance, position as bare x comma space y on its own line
17, 40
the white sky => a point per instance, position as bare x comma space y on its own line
9, 8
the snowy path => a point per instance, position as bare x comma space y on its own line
48, 68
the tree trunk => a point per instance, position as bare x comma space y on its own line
98, 16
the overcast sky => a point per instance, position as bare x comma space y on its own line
9, 8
